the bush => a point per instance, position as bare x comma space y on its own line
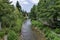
18, 26
12, 36
57, 30
49, 34
2, 34
17, 29
36, 23
6, 30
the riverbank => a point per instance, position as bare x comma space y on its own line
38, 34
48, 32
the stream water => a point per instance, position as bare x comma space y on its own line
27, 33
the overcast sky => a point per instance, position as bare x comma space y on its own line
26, 4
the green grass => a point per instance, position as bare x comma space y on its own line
49, 33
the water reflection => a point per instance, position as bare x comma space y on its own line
26, 32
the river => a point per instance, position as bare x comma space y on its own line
28, 34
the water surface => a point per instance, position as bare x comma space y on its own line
26, 32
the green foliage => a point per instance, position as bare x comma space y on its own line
11, 18
5, 8
47, 9
12, 35
35, 23
9, 15
18, 26
5, 12
57, 30
6, 30
33, 13
2, 33
18, 6
49, 33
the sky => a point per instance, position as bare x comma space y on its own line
26, 4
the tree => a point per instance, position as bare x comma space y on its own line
5, 10
48, 10
8, 14
33, 13
18, 6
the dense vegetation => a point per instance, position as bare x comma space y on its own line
46, 16
11, 19
47, 10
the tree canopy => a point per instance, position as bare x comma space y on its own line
48, 10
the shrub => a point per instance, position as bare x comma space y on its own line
18, 26
17, 29
36, 23
6, 30
57, 30
49, 34
12, 36
2, 34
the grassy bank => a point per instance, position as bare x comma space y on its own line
50, 34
